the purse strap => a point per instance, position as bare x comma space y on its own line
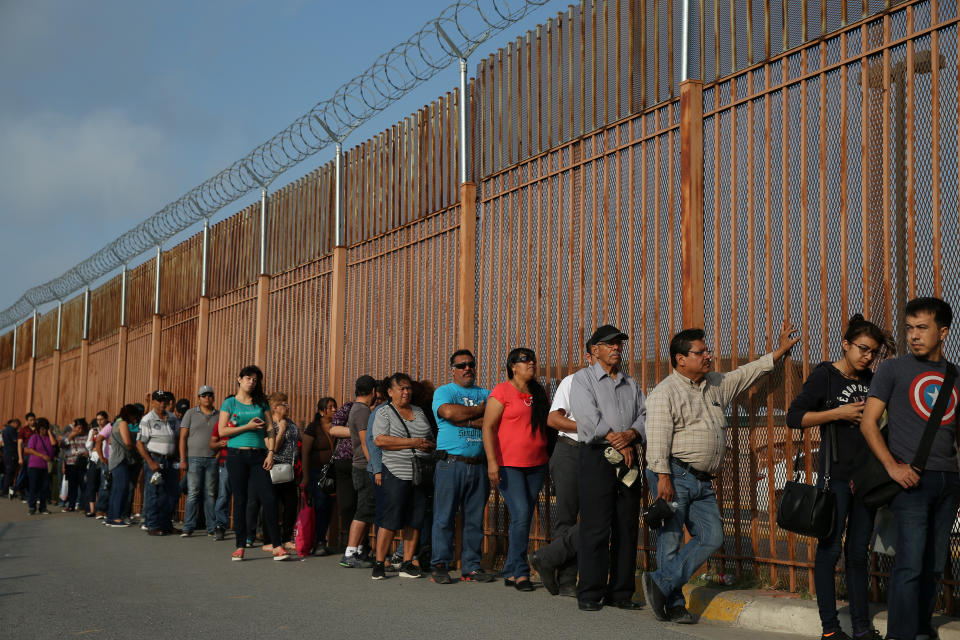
936, 416
404, 425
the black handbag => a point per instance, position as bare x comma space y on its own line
327, 481
871, 482
807, 509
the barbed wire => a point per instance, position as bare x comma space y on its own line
459, 29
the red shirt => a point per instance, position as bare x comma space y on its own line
221, 453
518, 444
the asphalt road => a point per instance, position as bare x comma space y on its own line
64, 575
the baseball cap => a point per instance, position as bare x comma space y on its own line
162, 396
205, 389
606, 333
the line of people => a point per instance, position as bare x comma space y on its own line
405, 464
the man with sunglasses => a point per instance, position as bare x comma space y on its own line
460, 479
196, 427
686, 443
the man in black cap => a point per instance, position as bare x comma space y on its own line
157, 445
609, 409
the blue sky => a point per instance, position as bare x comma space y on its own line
111, 109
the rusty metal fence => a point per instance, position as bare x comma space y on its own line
825, 135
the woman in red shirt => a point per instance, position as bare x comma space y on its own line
515, 441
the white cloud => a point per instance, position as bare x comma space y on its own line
101, 164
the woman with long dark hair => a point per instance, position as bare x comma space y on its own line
515, 441
245, 421
316, 449
832, 398
123, 464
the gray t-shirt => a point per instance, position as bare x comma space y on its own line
200, 428
386, 423
910, 386
357, 422
157, 435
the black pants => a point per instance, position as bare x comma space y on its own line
91, 486
285, 494
346, 494
609, 526
562, 551
74, 474
247, 476
10, 470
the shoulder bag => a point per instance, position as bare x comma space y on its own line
422, 475
807, 509
871, 482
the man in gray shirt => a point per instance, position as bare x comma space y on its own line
364, 393
199, 460
609, 407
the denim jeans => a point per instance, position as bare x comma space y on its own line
118, 494
322, 507
924, 516
200, 472
697, 509
223, 498
520, 487
39, 488
103, 494
458, 485
161, 499
856, 520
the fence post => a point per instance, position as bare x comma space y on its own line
691, 202
32, 365
338, 287
122, 342
155, 329
84, 352
263, 289
466, 334
56, 365
203, 313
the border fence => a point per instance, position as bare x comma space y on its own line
799, 160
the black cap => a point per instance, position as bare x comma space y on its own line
162, 396
606, 333
182, 405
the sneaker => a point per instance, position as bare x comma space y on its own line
250, 542
873, 634
237, 556
397, 558
44, 513
836, 635
186, 534
355, 562
680, 615
280, 554
144, 527
389, 567
478, 575
378, 571
101, 515
410, 570
219, 534
116, 523
321, 550
654, 597
440, 575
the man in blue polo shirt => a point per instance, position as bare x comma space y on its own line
460, 480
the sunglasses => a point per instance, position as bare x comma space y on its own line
465, 365
206, 395
523, 357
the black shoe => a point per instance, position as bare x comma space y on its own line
477, 575
509, 582
629, 605
569, 590
410, 570
440, 575
680, 615
655, 597
873, 634
156, 532
523, 585
548, 575
378, 572
590, 605
839, 634
219, 534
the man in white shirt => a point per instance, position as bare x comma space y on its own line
557, 562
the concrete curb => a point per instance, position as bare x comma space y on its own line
779, 612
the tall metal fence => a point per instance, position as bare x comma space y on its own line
809, 170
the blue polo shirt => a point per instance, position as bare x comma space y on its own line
459, 441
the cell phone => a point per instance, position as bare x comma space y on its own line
257, 420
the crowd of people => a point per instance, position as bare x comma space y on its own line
403, 463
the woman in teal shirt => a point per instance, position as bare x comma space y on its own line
250, 449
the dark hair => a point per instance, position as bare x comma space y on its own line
82, 422
942, 313
365, 385
397, 378
321, 405
461, 352
14, 420
31, 414
106, 416
131, 413
142, 409
859, 326
42, 423
683, 342
256, 395
541, 404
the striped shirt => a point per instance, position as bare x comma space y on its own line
687, 420
157, 435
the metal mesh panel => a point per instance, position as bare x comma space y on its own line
101, 376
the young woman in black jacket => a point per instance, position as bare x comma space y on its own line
832, 398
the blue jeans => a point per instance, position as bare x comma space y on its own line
103, 496
697, 509
160, 499
520, 487
223, 498
856, 520
924, 516
322, 507
200, 471
458, 485
118, 494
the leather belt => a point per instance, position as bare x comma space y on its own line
702, 476
568, 441
465, 459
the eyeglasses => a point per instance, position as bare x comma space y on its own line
523, 357
865, 350
701, 352
206, 395
465, 365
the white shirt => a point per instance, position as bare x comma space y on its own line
561, 400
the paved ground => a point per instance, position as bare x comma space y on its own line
64, 575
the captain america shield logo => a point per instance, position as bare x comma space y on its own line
923, 394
